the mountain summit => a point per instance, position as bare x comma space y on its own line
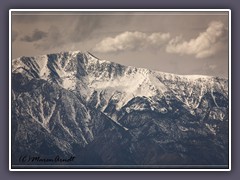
104, 113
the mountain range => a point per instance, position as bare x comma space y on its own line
73, 104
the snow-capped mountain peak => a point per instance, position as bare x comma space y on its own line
104, 81
75, 103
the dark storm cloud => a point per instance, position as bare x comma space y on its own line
36, 36
55, 39
76, 29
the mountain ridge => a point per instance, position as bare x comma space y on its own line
105, 75
86, 104
195, 76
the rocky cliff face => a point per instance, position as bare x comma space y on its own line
103, 113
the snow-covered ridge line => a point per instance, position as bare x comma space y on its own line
71, 69
96, 59
109, 86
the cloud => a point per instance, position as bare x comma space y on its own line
83, 27
66, 31
77, 29
14, 35
131, 41
36, 36
212, 67
205, 45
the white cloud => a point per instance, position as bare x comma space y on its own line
205, 45
132, 41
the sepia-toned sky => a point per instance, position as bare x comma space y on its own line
174, 42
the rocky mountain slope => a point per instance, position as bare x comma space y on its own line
104, 113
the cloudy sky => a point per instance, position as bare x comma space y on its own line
175, 42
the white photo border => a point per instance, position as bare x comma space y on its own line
120, 10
